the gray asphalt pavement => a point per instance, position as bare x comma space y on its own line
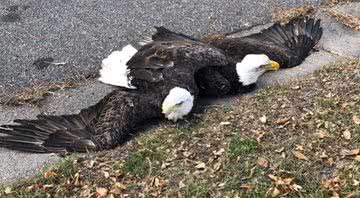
81, 33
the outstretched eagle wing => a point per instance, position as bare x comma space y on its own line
287, 44
49, 133
104, 125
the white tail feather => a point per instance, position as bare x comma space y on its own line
114, 70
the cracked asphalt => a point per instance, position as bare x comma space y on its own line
34, 34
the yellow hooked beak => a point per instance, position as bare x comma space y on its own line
273, 66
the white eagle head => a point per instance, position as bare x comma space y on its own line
253, 66
177, 104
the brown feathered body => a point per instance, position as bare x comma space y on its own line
155, 69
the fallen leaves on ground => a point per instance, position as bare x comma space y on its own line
299, 155
283, 142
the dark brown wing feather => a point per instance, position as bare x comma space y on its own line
212, 83
123, 112
105, 125
156, 55
164, 34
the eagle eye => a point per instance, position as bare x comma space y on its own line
180, 103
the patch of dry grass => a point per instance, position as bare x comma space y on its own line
36, 92
285, 15
335, 2
298, 140
352, 22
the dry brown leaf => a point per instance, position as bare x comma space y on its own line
157, 182
335, 195
347, 134
345, 152
187, 154
330, 161
7, 190
296, 87
85, 193
275, 193
296, 187
181, 184
102, 192
282, 120
299, 155
247, 187
48, 186
356, 119
217, 166
106, 174
357, 158
322, 134
299, 147
263, 162
76, 179
273, 177
355, 151
200, 166
165, 165
263, 119
280, 150
326, 183
287, 181
225, 123
120, 185
356, 182
49, 174
219, 152
323, 155
92, 163
259, 136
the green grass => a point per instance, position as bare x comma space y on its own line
137, 164
194, 189
240, 147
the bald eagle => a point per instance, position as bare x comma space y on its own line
287, 45
156, 81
